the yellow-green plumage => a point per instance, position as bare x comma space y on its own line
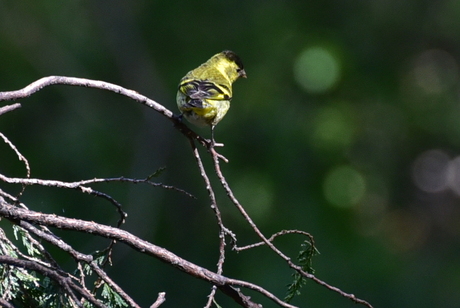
205, 93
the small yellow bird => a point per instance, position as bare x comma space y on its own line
205, 93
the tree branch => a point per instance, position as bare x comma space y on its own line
225, 284
160, 300
9, 108
89, 83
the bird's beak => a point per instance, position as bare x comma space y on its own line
242, 73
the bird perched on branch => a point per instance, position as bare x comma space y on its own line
205, 93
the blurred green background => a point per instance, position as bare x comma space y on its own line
347, 127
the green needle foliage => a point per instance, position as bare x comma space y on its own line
308, 250
25, 287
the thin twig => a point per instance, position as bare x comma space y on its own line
160, 300
81, 185
21, 158
9, 108
267, 242
215, 208
271, 238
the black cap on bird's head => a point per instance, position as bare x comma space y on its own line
234, 58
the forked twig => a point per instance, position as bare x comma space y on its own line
269, 243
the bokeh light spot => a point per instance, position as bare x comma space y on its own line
454, 175
316, 70
256, 192
333, 127
435, 71
344, 186
404, 230
430, 171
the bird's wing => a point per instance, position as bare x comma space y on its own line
203, 89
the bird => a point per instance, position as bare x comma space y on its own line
204, 93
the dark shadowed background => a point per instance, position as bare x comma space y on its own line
347, 127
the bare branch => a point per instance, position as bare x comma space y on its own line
223, 283
20, 157
80, 185
82, 82
218, 215
9, 108
272, 238
269, 243
160, 300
